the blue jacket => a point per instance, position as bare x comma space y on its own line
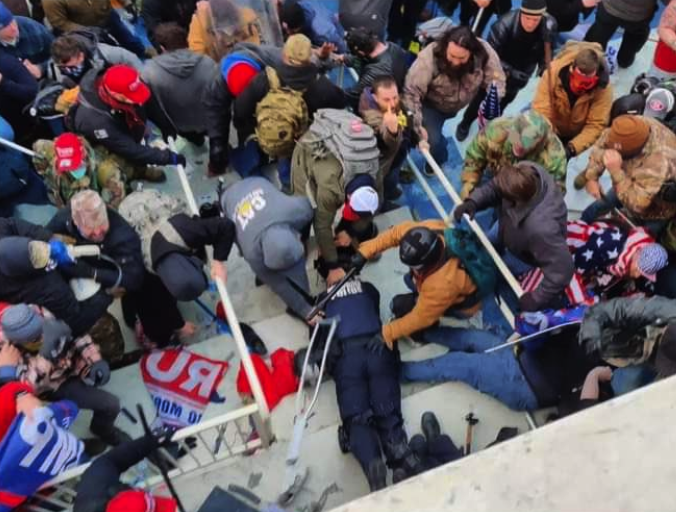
35, 41
322, 26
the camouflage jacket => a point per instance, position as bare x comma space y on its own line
491, 149
104, 175
639, 184
425, 83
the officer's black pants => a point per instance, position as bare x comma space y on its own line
369, 400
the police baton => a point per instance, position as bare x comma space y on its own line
160, 460
322, 303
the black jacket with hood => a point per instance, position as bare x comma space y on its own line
102, 125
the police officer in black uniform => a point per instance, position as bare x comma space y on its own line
366, 374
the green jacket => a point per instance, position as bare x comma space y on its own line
493, 147
104, 175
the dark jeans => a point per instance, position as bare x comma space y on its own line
635, 34
497, 374
404, 15
469, 10
124, 36
607, 203
472, 111
369, 400
156, 308
105, 405
433, 122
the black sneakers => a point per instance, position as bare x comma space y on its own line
377, 475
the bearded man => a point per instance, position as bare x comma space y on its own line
444, 79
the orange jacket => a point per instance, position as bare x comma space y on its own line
584, 122
437, 291
202, 36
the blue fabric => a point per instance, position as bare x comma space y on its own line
236, 58
353, 303
323, 26
433, 122
124, 36
497, 374
631, 378
35, 451
600, 207
35, 41
284, 171
6, 131
7, 373
6, 16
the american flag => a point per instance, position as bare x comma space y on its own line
601, 253
490, 106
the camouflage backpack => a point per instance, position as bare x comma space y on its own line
281, 118
146, 211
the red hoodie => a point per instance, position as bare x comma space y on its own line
276, 384
8, 394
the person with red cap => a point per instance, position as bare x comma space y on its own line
233, 75
100, 488
112, 109
69, 164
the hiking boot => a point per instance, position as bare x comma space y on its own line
112, 436
429, 424
399, 475
625, 63
377, 475
151, 175
580, 181
462, 131
418, 445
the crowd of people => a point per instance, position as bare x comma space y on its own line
96, 105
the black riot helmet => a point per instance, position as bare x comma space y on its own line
632, 104
420, 248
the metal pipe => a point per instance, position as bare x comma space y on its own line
477, 19
20, 149
231, 317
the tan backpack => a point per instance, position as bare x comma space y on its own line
281, 118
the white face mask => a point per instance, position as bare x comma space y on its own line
13, 42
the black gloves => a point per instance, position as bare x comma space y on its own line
178, 159
468, 206
570, 152
358, 261
528, 303
98, 375
218, 156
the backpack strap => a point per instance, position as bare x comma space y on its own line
273, 78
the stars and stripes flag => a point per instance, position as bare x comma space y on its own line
490, 106
602, 254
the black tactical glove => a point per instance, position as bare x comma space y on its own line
467, 206
376, 345
358, 261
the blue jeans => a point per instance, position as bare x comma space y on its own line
603, 206
124, 36
433, 122
497, 374
6, 130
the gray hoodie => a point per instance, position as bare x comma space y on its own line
631, 10
268, 224
177, 79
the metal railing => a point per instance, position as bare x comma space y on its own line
206, 444
213, 444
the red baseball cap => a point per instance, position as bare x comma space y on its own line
140, 501
69, 153
126, 80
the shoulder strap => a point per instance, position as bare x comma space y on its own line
273, 78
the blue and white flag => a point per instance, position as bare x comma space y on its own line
490, 106
36, 450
